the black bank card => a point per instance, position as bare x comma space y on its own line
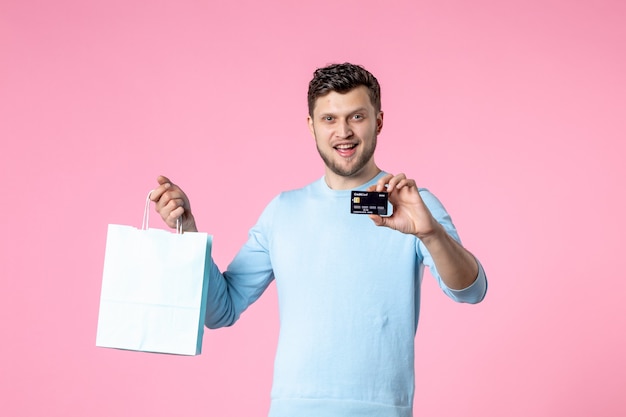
369, 202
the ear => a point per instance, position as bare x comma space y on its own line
309, 120
379, 122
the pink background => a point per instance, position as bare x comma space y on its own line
512, 112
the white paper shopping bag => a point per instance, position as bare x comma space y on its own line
154, 289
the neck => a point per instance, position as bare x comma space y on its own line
340, 182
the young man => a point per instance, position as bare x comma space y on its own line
348, 285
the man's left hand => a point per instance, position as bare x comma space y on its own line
410, 214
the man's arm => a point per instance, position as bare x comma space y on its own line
456, 266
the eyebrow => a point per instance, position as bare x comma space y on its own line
358, 110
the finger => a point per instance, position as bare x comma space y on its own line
164, 185
166, 193
378, 220
166, 205
157, 193
171, 213
174, 215
165, 196
405, 183
395, 180
174, 204
382, 182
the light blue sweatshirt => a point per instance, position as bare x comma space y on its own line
349, 297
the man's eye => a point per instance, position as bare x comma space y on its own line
357, 117
328, 118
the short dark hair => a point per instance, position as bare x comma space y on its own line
342, 78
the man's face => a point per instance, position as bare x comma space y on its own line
345, 127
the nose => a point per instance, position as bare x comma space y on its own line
343, 129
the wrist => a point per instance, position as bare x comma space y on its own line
436, 233
189, 225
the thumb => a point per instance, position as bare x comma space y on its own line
163, 179
378, 220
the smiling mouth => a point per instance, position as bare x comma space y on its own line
346, 150
345, 146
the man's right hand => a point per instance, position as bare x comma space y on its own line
172, 203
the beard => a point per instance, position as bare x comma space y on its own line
358, 160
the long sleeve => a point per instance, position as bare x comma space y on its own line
246, 278
477, 290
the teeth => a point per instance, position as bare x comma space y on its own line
345, 146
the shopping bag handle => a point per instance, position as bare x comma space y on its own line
146, 215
